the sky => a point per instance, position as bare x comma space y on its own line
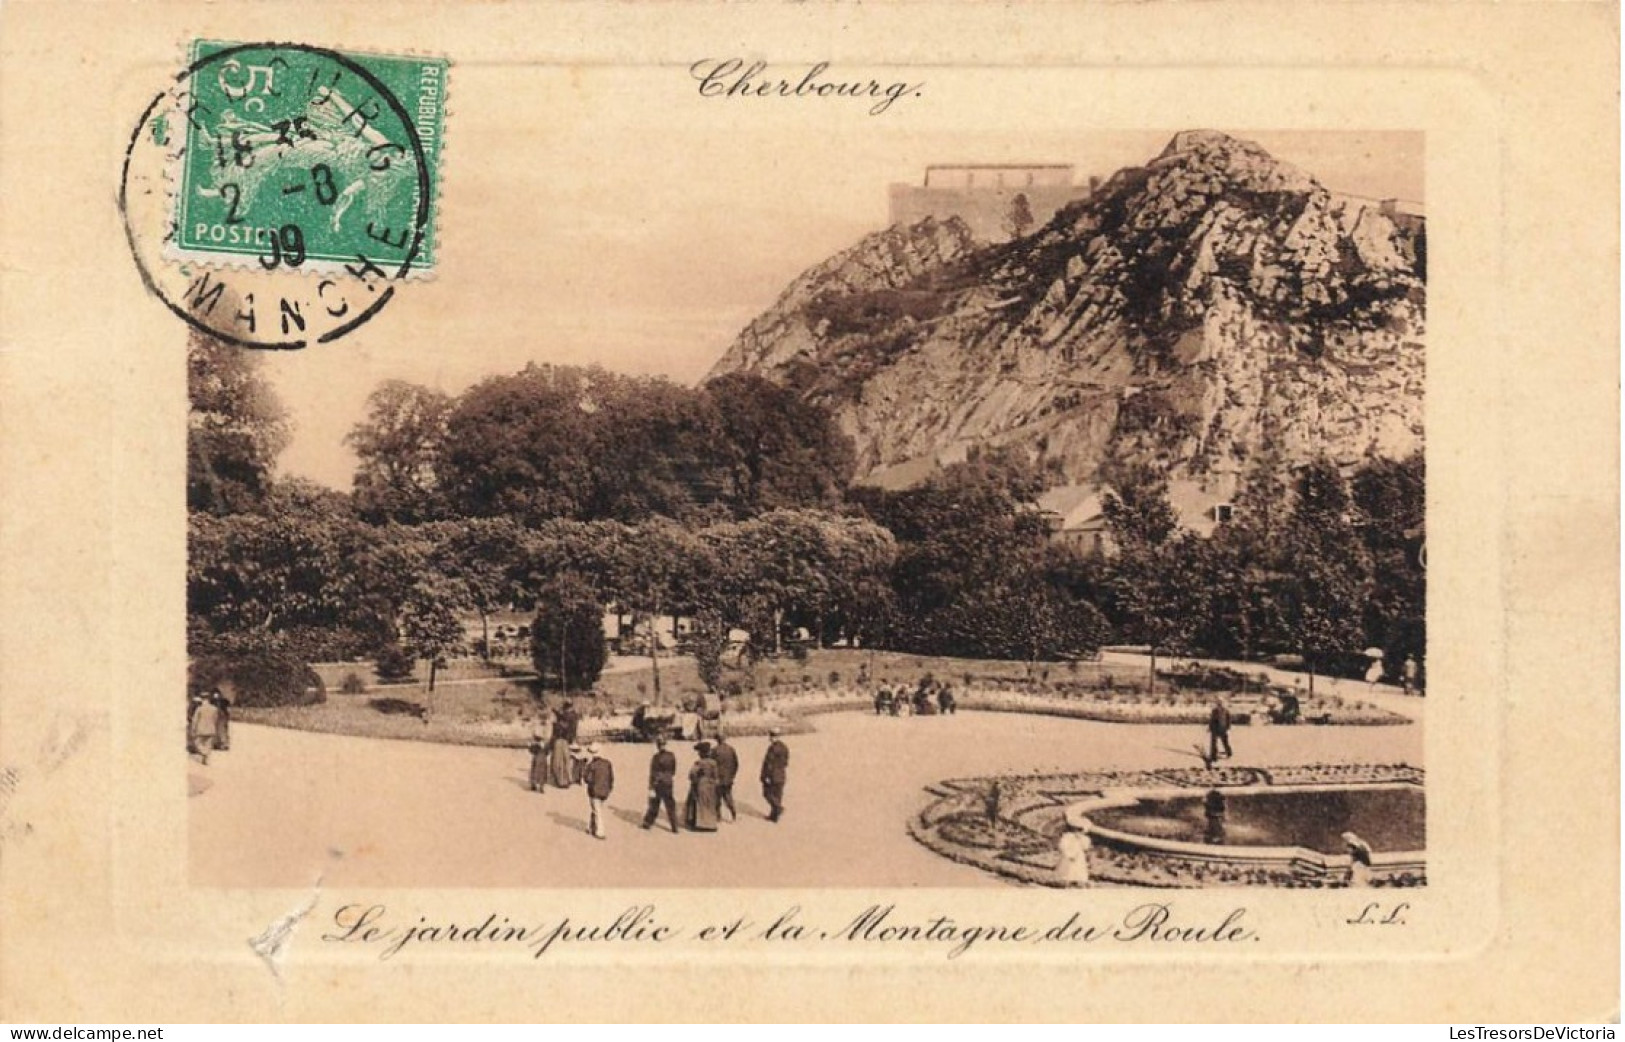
613, 216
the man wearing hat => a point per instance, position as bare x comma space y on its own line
600, 781
727, 770
1218, 730
662, 778
204, 727
775, 765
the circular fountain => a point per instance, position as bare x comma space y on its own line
1326, 835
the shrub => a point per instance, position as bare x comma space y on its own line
567, 635
709, 640
259, 669
352, 684
335, 643
394, 663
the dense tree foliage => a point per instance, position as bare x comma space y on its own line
561, 442
235, 430
1391, 498
974, 574
569, 492
257, 668
398, 447
1325, 571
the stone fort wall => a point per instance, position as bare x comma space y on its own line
981, 196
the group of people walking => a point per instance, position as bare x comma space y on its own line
928, 698
711, 783
208, 724
561, 762
557, 759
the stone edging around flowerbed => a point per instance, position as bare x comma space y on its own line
1178, 711
1021, 838
789, 713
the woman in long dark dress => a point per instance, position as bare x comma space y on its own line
561, 769
704, 806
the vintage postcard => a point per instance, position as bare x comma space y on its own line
907, 512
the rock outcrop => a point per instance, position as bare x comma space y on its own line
1207, 310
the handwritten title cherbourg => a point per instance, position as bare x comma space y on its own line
735, 78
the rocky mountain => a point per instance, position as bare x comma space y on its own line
1210, 309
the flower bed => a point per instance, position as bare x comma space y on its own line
1171, 707
1079, 703
495, 712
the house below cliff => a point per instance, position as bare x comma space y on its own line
1077, 518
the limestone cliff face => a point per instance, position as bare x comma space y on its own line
1202, 312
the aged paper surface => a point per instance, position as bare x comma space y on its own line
589, 120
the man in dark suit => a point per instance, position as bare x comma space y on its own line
1218, 731
727, 759
775, 766
662, 776
599, 774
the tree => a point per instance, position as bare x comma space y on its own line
1156, 601
1326, 570
793, 567
430, 623
651, 573
1137, 508
515, 446
388, 567
1247, 569
1391, 499
249, 571
857, 597
564, 442
971, 528
780, 451
1025, 620
399, 446
1150, 585
710, 638
259, 668
303, 567
488, 556
567, 635
656, 449
236, 428
1018, 219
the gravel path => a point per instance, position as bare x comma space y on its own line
284, 806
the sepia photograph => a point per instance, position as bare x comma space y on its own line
934, 512
1055, 520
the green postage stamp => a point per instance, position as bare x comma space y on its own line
305, 159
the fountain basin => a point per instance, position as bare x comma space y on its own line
1294, 831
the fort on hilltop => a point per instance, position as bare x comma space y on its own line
983, 195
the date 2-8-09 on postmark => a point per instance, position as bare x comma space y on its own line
278, 193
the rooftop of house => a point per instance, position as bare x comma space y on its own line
1083, 506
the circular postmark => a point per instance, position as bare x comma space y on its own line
277, 193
